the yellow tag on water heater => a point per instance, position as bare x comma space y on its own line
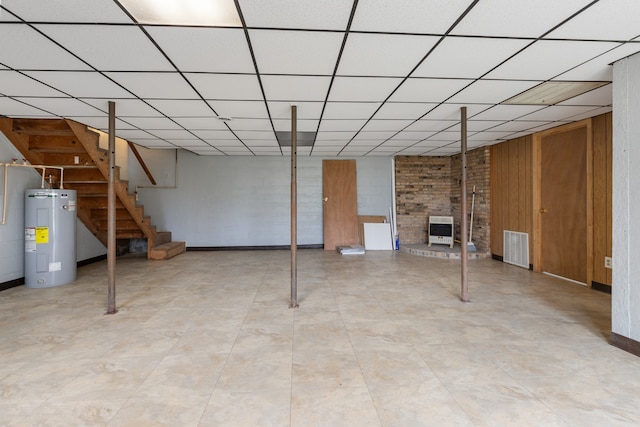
42, 235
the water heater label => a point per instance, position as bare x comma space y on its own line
42, 235
30, 239
55, 266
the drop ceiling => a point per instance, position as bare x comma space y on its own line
368, 77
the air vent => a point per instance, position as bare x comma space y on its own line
516, 248
305, 139
550, 93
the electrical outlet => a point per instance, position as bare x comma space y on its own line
608, 262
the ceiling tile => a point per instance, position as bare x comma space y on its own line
42, 54
125, 107
295, 88
226, 86
546, 59
428, 90
63, 107
472, 59
295, 52
103, 11
342, 125
246, 109
477, 126
214, 135
251, 134
605, 20
14, 108
488, 136
383, 54
201, 49
387, 125
13, 83
407, 16
152, 123
203, 123
506, 112
7, 16
430, 125
335, 136
182, 108
155, 85
350, 110
492, 91
134, 134
171, 133
601, 96
518, 125
403, 110
557, 112
508, 18
453, 111
591, 113
304, 125
304, 110
599, 68
102, 46
251, 124
411, 136
362, 88
81, 84
374, 136
321, 15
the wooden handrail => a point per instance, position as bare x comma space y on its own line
136, 153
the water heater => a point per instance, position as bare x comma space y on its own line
49, 237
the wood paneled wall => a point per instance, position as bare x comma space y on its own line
512, 190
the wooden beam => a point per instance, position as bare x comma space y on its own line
146, 170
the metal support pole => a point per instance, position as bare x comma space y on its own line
463, 202
294, 208
111, 213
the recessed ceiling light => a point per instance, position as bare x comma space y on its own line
552, 92
184, 12
304, 139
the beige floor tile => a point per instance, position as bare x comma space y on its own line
256, 408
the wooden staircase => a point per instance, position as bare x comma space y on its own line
69, 144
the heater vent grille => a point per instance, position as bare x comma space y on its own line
516, 248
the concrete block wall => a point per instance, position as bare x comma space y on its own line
431, 186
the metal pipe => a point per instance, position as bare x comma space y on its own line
24, 165
111, 214
294, 208
463, 223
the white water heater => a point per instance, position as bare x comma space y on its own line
49, 237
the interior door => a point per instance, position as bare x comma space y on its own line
340, 203
563, 210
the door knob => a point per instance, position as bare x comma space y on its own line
543, 210
326, 199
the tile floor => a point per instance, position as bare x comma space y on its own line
207, 339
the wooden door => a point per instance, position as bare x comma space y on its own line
340, 203
563, 207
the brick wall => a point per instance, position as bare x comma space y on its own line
431, 186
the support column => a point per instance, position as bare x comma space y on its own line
294, 208
111, 214
464, 288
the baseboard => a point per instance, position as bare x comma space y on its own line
92, 260
624, 343
11, 284
601, 287
251, 248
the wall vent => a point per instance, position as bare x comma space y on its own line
516, 248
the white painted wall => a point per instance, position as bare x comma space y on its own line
12, 233
244, 201
626, 198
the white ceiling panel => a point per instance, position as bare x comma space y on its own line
13, 108
465, 57
296, 88
23, 48
225, 143
407, 16
403, 110
172, 133
226, 86
214, 135
428, 90
304, 125
601, 96
411, 136
102, 46
492, 91
453, 111
249, 135
591, 113
81, 84
342, 125
508, 18
383, 54
488, 136
600, 69
295, 52
387, 125
251, 124
63, 107
546, 59
155, 85
320, 15
263, 143
335, 136
201, 49
103, 11
13, 83
152, 123
516, 125
125, 107
350, 110
182, 108
374, 136
6, 16
156, 143
557, 112
362, 88
445, 136
477, 126
305, 110
134, 134
192, 143
605, 20
506, 112
246, 109
430, 125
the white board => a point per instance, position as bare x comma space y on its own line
377, 237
